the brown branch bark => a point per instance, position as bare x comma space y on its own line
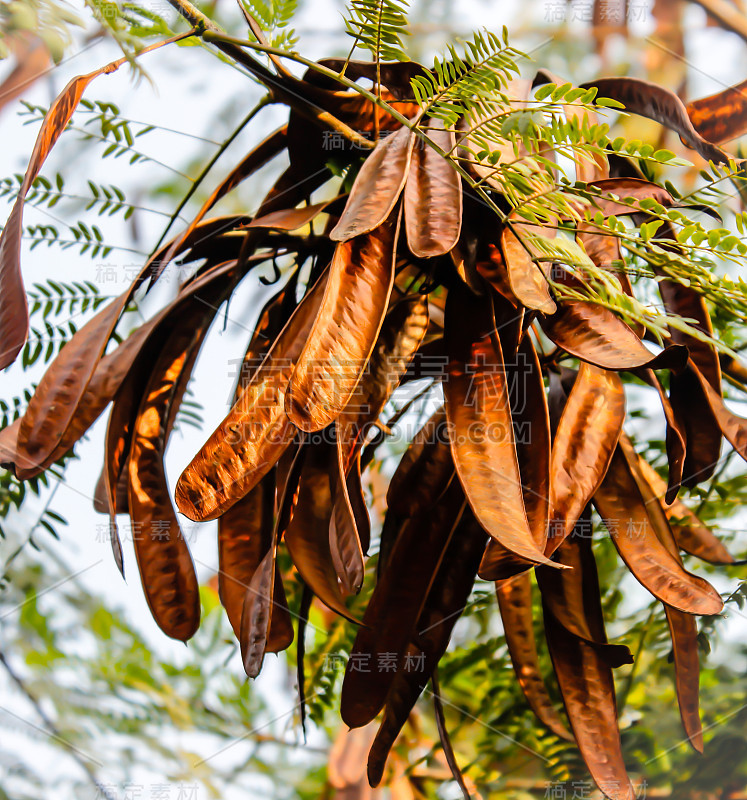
290, 91
259, 35
727, 14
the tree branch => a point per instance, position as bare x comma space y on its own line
727, 14
259, 35
293, 92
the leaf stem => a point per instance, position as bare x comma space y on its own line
634, 669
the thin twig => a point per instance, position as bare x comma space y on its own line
198, 180
291, 91
256, 29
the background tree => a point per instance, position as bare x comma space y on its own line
497, 699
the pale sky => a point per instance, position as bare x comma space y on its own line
193, 93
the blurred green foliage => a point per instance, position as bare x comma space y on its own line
115, 701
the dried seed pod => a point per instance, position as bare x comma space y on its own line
588, 691
480, 424
433, 196
525, 278
395, 605
623, 510
377, 187
335, 354
585, 440
256, 432
443, 607
515, 603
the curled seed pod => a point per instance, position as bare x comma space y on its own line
166, 569
531, 423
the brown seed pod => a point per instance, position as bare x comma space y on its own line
515, 603
395, 605
585, 440
480, 424
377, 187
335, 354
256, 432
433, 196
623, 510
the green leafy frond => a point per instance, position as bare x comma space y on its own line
50, 300
104, 125
513, 146
46, 342
129, 24
45, 193
274, 17
143, 22
88, 239
470, 81
53, 298
378, 26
